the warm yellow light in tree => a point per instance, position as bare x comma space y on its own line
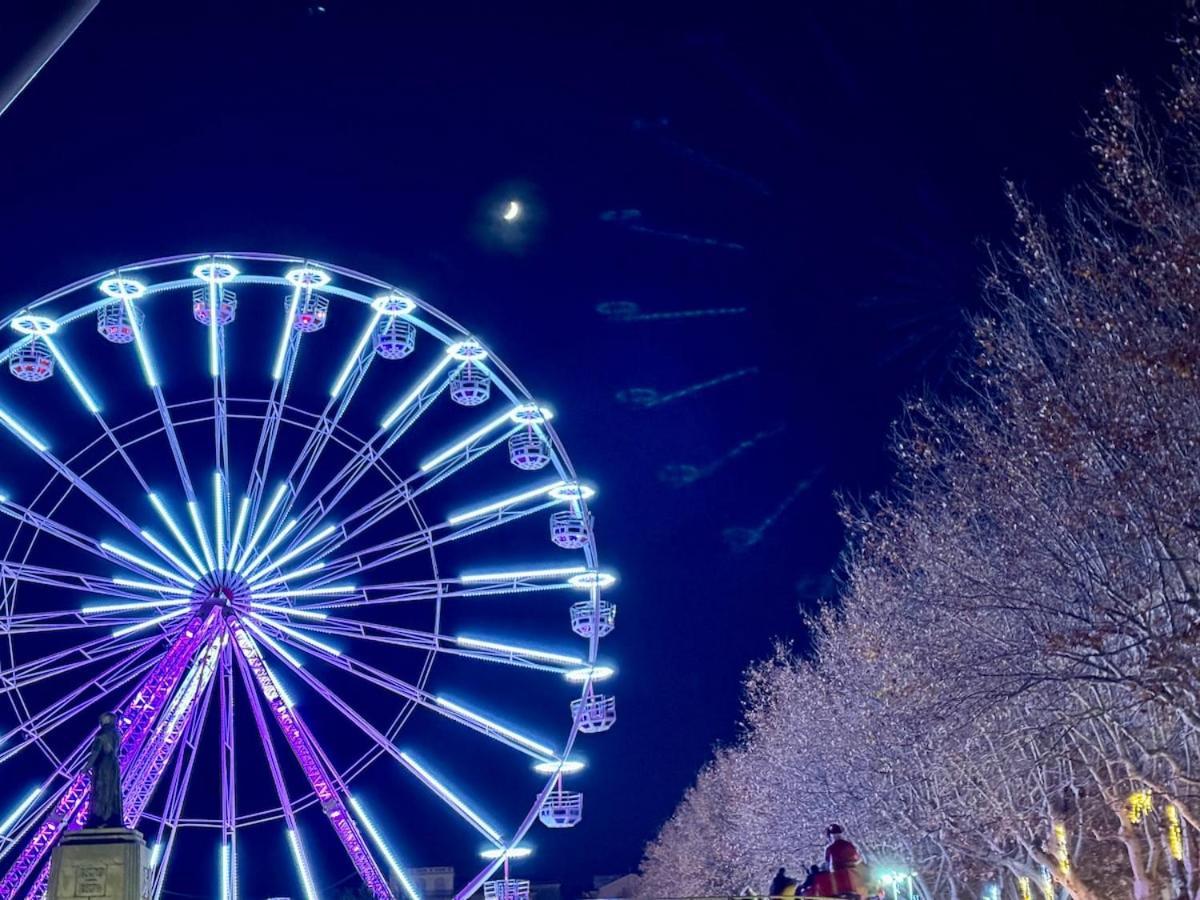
1023, 887
1060, 838
1140, 806
1174, 832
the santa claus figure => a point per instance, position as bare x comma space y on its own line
844, 864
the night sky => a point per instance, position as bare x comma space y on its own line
836, 168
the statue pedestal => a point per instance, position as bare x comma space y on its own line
99, 864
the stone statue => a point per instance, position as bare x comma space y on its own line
105, 768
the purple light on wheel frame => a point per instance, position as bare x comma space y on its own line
309, 758
152, 762
141, 709
287, 699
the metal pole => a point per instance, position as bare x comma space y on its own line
43, 52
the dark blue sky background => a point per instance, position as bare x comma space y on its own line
856, 152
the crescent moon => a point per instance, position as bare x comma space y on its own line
514, 210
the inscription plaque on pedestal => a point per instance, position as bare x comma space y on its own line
99, 864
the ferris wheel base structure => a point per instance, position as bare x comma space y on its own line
326, 558
100, 864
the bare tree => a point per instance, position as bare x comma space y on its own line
1007, 691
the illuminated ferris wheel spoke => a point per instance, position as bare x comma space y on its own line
415, 592
399, 497
307, 459
438, 467
44, 622
456, 527
318, 439
260, 524
469, 647
214, 307
379, 678
356, 364
418, 541
126, 291
442, 465
489, 585
32, 807
61, 578
255, 572
304, 313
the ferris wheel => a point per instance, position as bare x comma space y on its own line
324, 556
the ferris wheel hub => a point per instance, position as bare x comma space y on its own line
221, 589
